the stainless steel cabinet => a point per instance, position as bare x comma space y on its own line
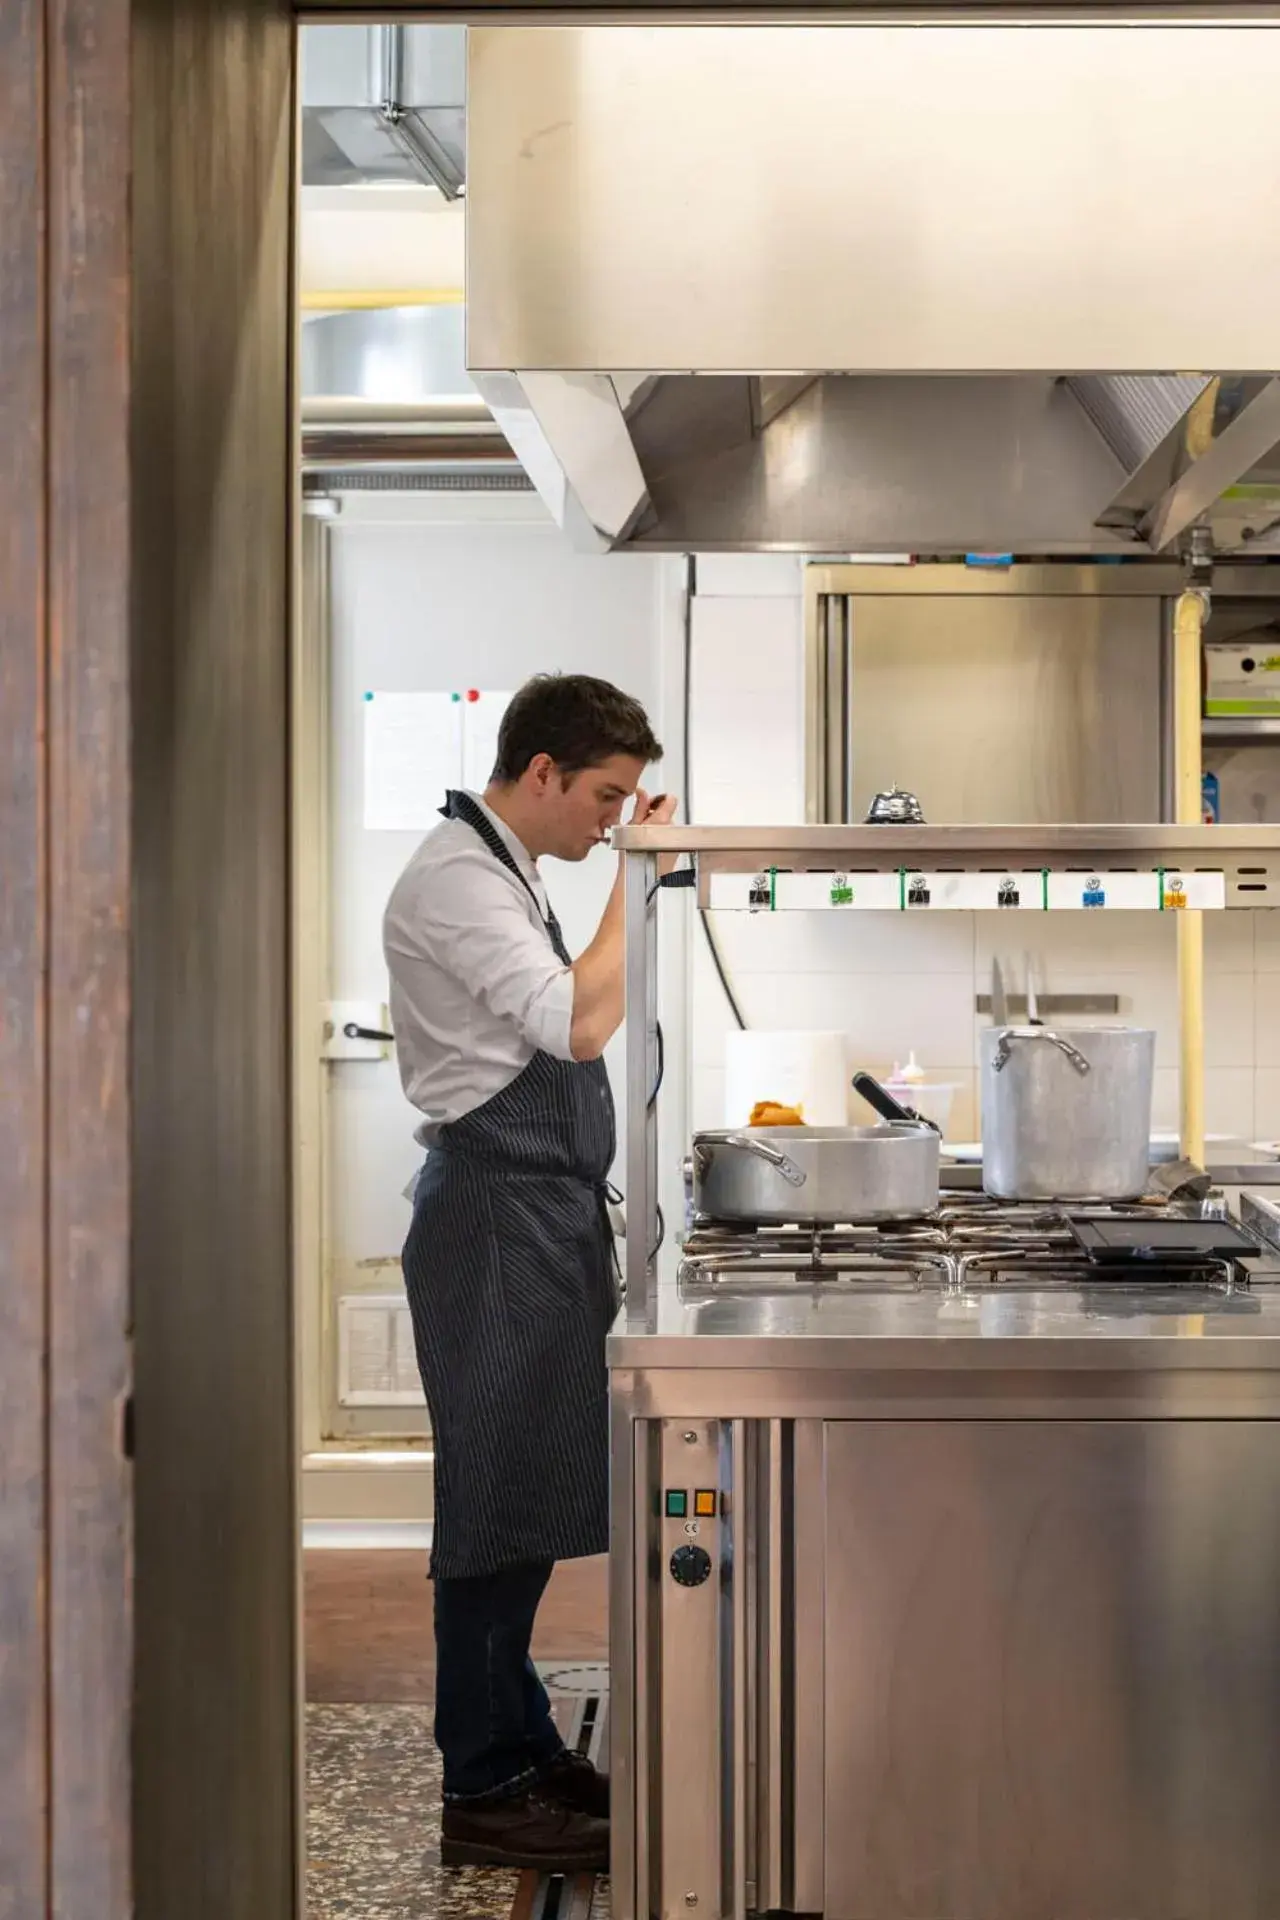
1031, 695
1052, 1670
1008, 708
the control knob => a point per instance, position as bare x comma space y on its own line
690, 1566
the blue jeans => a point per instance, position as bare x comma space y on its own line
493, 1721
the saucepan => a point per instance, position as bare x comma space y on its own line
820, 1176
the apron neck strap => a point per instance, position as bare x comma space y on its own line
460, 806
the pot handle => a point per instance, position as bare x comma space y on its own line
1007, 1038
881, 1101
794, 1175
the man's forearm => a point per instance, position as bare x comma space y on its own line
599, 988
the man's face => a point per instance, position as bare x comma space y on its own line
578, 809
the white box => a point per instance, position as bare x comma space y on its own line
1242, 677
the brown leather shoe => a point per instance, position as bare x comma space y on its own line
572, 1781
532, 1830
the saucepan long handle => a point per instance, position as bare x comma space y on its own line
881, 1101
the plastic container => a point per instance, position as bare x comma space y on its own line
931, 1099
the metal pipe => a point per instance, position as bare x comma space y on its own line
1188, 624
1168, 792
375, 299
464, 411
365, 447
741, 1521
815, 736
640, 875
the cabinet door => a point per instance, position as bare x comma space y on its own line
1052, 1660
1000, 707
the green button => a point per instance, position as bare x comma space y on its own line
677, 1503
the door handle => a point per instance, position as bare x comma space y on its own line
351, 1031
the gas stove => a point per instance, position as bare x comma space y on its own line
970, 1241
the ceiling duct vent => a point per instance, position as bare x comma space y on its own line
384, 104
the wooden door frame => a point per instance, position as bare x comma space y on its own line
145, 317
65, 848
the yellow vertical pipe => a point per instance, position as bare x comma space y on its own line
1188, 771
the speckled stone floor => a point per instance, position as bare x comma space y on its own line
373, 1779
373, 1773
373, 1791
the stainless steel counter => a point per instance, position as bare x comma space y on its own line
866, 1329
1000, 1352
958, 1601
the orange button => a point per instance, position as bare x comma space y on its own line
704, 1503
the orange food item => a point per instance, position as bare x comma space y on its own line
772, 1113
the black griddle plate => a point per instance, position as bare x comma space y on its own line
1130, 1242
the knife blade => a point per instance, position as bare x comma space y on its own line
999, 1002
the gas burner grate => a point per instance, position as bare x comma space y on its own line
972, 1240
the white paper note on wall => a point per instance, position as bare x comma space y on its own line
481, 717
412, 756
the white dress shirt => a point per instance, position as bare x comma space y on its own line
476, 987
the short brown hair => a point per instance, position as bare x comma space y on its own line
580, 722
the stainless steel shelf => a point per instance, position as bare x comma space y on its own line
914, 846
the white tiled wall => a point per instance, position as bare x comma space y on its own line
895, 984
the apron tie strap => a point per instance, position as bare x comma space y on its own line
460, 806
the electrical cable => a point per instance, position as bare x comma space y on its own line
713, 945
656, 1248
662, 1067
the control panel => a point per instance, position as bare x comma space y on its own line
692, 1519
690, 1566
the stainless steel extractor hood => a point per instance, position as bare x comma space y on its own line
938, 309
383, 104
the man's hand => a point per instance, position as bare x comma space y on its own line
659, 811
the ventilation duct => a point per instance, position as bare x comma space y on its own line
384, 104
386, 389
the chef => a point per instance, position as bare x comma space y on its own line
509, 1263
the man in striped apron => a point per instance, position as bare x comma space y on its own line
509, 1263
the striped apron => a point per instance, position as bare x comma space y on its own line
511, 1277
